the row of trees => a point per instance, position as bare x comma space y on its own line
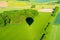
55, 10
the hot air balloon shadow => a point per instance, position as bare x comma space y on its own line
29, 20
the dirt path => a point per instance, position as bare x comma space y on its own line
45, 10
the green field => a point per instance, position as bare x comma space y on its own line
21, 30
18, 29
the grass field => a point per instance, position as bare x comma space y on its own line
23, 31
20, 30
54, 29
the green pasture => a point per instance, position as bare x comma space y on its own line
18, 29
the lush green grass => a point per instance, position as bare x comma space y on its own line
53, 29
22, 31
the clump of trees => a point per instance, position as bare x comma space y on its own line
4, 19
29, 13
58, 2
7, 16
55, 10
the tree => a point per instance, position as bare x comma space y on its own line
58, 1
33, 6
6, 19
55, 10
